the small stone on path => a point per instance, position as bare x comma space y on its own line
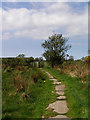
60, 87
60, 93
59, 107
55, 80
58, 116
61, 116
49, 75
61, 97
57, 83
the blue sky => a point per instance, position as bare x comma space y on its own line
26, 26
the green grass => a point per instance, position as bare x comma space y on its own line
76, 93
40, 95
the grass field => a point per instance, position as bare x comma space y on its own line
76, 93
29, 102
26, 92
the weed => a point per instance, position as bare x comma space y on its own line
19, 83
21, 68
76, 93
75, 69
36, 76
31, 99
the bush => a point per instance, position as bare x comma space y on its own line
8, 69
19, 83
87, 59
21, 68
75, 69
36, 76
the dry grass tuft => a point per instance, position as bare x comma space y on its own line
19, 83
36, 76
75, 69
21, 68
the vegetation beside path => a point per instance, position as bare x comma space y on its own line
26, 93
76, 93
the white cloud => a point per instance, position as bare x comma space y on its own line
79, 24
45, 0
34, 34
6, 36
10, 0
0, 19
39, 23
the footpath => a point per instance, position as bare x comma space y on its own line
59, 106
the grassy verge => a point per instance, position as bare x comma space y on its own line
76, 93
29, 102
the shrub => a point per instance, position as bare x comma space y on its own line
8, 69
61, 71
75, 69
21, 68
87, 59
36, 76
19, 83
81, 69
